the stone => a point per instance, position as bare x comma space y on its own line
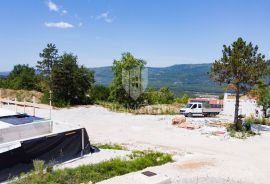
177, 120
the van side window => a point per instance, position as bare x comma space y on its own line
194, 106
200, 106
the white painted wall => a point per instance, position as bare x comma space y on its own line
246, 107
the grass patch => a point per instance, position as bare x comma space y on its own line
111, 146
98, 172
242, 134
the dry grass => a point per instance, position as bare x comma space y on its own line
21, 95
159, 109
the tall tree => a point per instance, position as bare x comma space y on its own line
241, 66
70, 82
118, 93
49, 57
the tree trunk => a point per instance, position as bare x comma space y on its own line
237, 121
265, 112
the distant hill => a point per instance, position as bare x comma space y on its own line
184, 78
4, 74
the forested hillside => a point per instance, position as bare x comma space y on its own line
188, 78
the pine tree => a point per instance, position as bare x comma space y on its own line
241, 66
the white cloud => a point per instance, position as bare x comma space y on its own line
106, 17
64, 11
61, 25
52, 6
103, 15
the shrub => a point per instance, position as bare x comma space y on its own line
162, 96
183, 99
22, 77
261, 121
99, 93
244, 133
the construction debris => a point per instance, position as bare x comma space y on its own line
217, 131
177, 120
207, 126
182, 123
188, 125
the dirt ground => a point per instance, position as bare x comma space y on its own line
199, 158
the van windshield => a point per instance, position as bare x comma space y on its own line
188, 105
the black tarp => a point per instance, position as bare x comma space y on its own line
52, 149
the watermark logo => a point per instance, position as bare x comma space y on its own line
135, 81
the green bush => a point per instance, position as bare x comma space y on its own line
161, 96
99, 93
183, 99
22, 77
261, 121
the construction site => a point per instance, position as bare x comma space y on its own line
201, 146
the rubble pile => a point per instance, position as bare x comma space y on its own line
182, 122
206, 126
177, 120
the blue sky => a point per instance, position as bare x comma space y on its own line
163, 32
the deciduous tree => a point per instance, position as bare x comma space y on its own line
117, 90
70, 82
22, 77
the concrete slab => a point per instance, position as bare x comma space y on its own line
138, 178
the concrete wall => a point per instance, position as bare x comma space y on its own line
247, 107
24, 131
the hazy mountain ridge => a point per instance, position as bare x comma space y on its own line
190, 78
4, 74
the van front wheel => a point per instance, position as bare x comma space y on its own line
189, 115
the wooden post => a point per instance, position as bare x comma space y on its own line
16, 105
34, 104
51, 126
24, 105
50, 104
8, 100
0, 97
